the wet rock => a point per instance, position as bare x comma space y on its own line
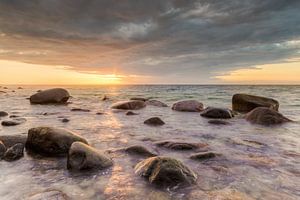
11, 140
181, 145
51, 141
51, 96
14, 122
2, 149
14, 153
49, 195
39, 90
80, 110
3, 113
157, 103
217, 113
14, 116
20, 88
5, 88
154, 121
131, 113
129, 105
266, 116
83, 157
188, 106
165, 172
204, 155
218, 122
139, 99
139, 150
105, 98
100, 113
245, 103
65, 120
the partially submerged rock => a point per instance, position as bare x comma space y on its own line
11, 140
165, 172
55, 96
204, 155
80, 110
131, 113
217, 113
49, 195
218, 122
157, 103
181, 145
154, 121
51, 141
129, 105
3, 113
65, 120
245, 103
83, 157
139, 150
266, 116
188, 106
14, 153
14, 122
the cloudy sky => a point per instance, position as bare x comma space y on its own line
143, 41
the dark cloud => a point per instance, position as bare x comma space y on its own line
184, 40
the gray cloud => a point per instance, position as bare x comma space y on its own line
186, 41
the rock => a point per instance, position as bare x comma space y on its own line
245, 103
20, 88
51, 141
14, 153
11, 140
79, 110
154, 121
65, 120
14, 116
138, 99
39, 90
100, 113
14, 122
2, 92
129, 105
3, 114
266, 116
139, 150
82, 157
188, 106
131, 113
156, 103
165, 172
5, 88
204, 155
218, 122
56, 96
104, 98
181, 145
217, 113
2, 149
49, 195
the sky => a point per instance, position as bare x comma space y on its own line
149, 42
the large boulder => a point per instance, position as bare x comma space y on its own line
245, 103
157, 103
217, 113
83, 157
154, 121
165, 171
266, 116
51, 141
129, 105
55, 96
188, 106
14, 153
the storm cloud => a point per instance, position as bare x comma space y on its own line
182, 40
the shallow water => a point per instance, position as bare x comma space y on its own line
269, 169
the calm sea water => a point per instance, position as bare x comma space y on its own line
269, 170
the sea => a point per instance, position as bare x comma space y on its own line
256, 162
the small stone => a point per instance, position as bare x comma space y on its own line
65, 120
14, 122
139, 150
204, 155
131, 113
100, 113
14, 153
218, 122
14, 116
3, 113
104, 98
79, 110
154, 121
